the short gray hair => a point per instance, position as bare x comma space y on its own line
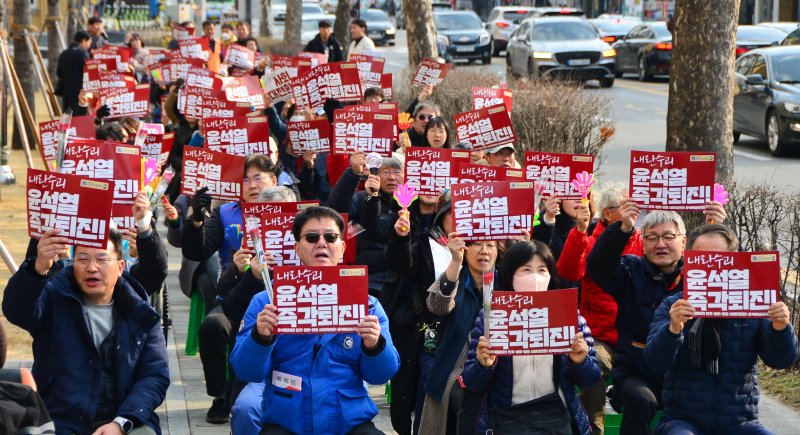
433, 107
277, 194
392, 162
658, 217
610, 195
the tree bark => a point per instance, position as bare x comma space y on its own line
53, 44
265, 28
23, 60
294, 21
420, 32
72, 20
341, 27
701, 83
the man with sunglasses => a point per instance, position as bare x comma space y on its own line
331, 368
99, 355
639, 284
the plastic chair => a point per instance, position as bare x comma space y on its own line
197, 313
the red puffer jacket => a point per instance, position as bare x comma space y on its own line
597, 306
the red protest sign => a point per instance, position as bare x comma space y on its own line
241, 136
119, 163
80, 126
316, 59
485, 128
199, 103
731, 284
220, 172
363, 132
369, 68
339, 81
252, 211
122, 102
432, 170
95, 79
387, 86
469, 173
533, 323
309, 136
245, 90
241, 57
488, 97
554, 172
179, 68
156, 54
203, 78
120, 54
278, 84
679, 181
296, 66
388, 108
430, 72
494, 210
99, 64
122, 215
79, 207
180, 32
278, 239
157, 146
194, 48
320, 299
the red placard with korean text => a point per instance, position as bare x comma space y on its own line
220, 172
122, 215
387, 86
99, 64
278, 239
241, 57
533, 323
278, 84
309, 136
431, 73
493, 210
338, 80
363, 132
370, 69
390, 108
95, 79
296, 66
178, 68
432, 170
122, 102
80, 126
180, 32
79, 207
156, 54
316, 59
555, 172
245, 90
157, 146
731, 284
199, 103
202, 77
469, 173
320, 299
252, 211
194, 48
118, 163
484, 128
488, 97
678, 181
120, 54
239, 136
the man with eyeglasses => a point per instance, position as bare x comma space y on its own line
332, 368
371, 208
639, 284
99, 355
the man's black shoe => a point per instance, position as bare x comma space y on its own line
218, 413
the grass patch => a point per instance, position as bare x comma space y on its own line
782, 384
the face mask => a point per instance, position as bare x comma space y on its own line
297, 118
532, 282
226, 36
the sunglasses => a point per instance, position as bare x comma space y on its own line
423, 117
314, 237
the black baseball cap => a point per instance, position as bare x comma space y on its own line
325, 23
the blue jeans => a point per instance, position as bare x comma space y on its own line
246, 412
683, 427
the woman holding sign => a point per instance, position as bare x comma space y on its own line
533, 393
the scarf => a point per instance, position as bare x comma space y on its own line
705, 345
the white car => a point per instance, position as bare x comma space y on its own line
310, 26
279, 10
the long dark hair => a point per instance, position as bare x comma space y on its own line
518, 255
436, 121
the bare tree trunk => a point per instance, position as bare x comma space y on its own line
700, 115
265, 28
341, 27
53, 44
294, 21
72, 20
420, 32
23, 59
3, 99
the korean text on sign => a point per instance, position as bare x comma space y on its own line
370, 69
117, 163
533, 323
680, 181
488, 97
79, 207
241, 136
555, 172
431, 73
252, 211
220, 172
492, 210
432, 170
469, 173
485, 128
278, 239
363, 132
320, 300
339, 81
731, 284
309, 136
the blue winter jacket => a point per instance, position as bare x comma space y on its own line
499, 378
333, 368
721, 403
66, 363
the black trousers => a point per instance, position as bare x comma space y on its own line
406, 340
215, 343
639, 404
367, 428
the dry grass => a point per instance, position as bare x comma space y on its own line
783, 384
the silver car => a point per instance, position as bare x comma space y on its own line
502, 22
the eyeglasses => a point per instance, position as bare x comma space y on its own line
388, 172
314, 237
668, 237
481, 246
101, 259
423, 117
257, 179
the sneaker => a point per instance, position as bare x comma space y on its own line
218, 413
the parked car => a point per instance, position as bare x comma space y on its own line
502, 22
560, 47
379, 28
646, 51
785, 26
792, 39
312, 9
310, 26
555, 12
462, 36
752, 37
279, 9
611, 30
766, 101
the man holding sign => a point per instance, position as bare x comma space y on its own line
310, 378
710, 383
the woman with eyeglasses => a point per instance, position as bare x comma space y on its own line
423, 112
531, 394
437, 133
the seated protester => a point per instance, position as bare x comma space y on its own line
338, 402
502, 156
456, 296
710, 384
325, 43
373, 95
112, 131
421, 114
99, 353
599, 308
370, 208
639, 284
184, 129
437, 133
536, 392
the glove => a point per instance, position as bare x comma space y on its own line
200, 202
102, 112
179, 83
